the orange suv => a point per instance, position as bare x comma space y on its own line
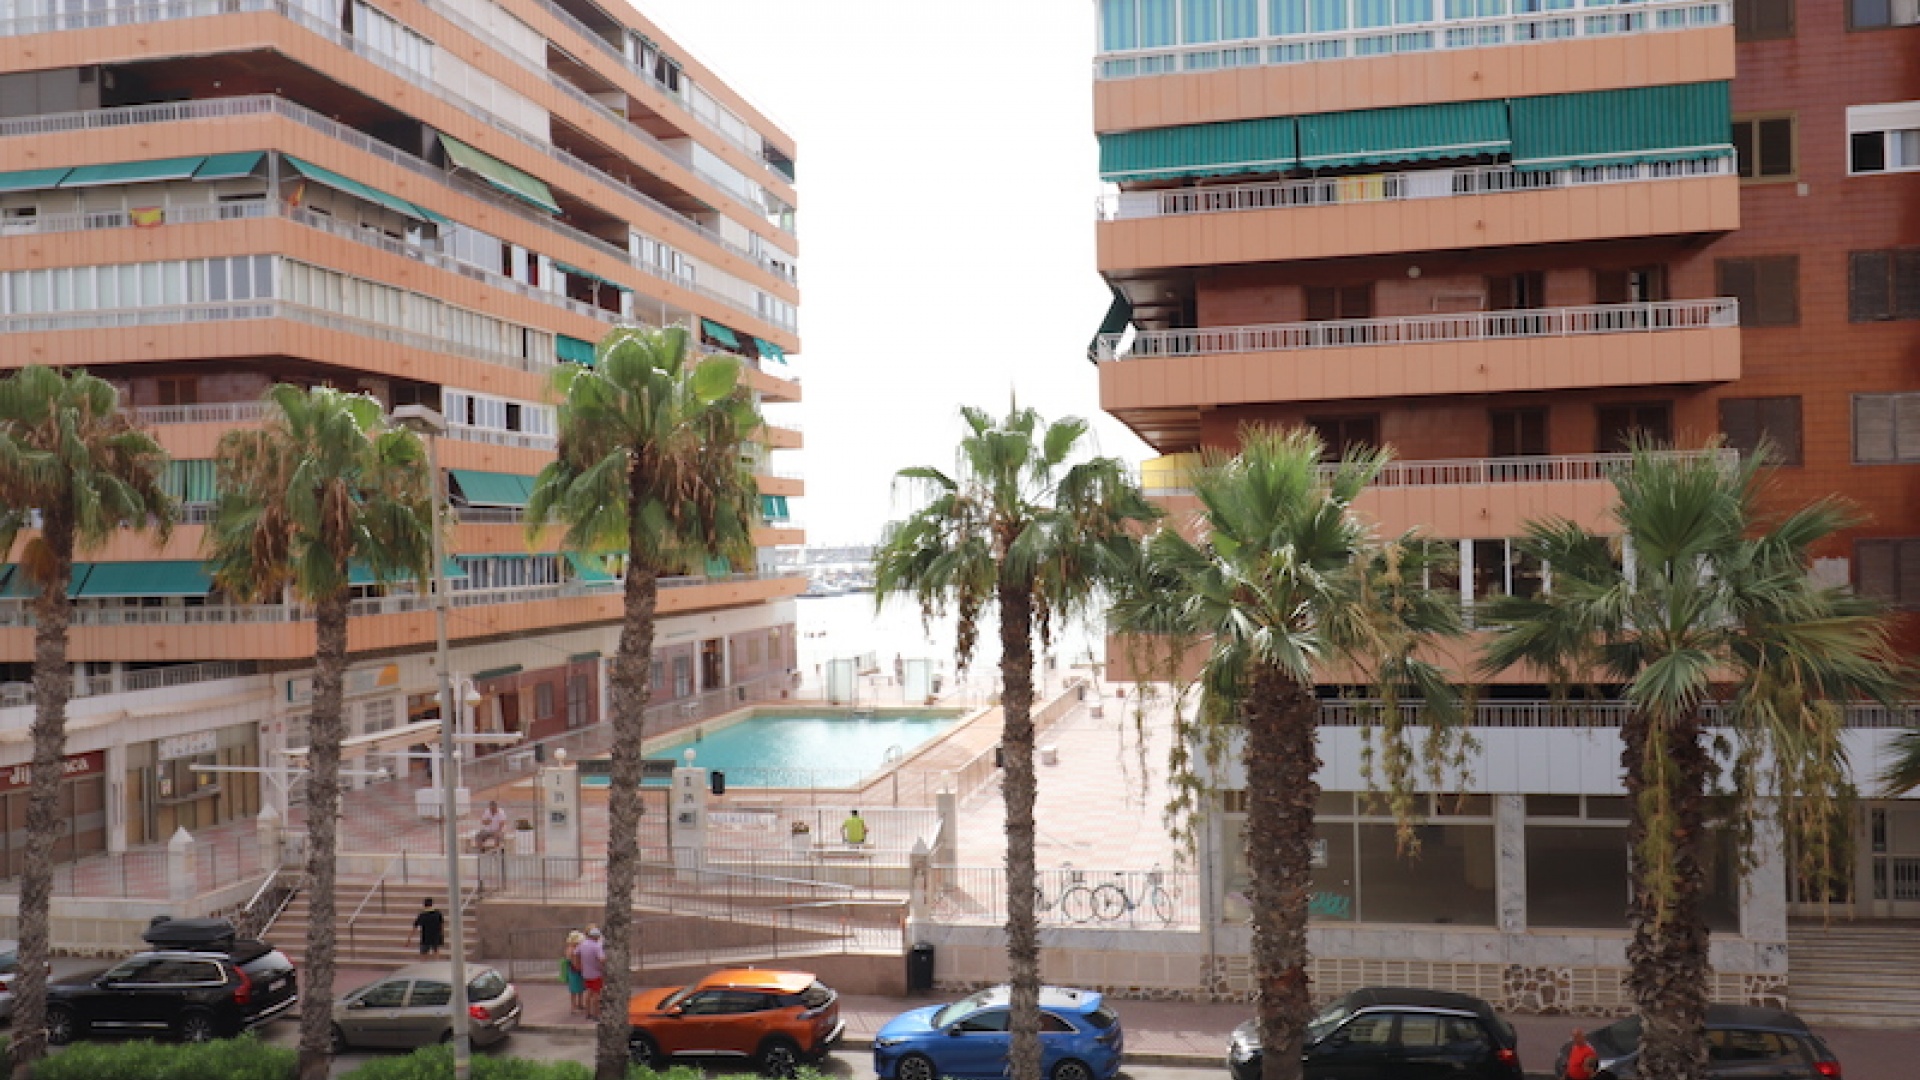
781, 1019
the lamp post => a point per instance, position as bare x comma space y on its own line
430, 424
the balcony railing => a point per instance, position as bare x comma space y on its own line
21, 693
1457, 472
216, 412
1562, 20
1581, 714
1715, 313
1390, 187
493, 437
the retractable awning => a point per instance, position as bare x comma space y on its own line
348, 185
1119, 314
773, 507
1458, 129
719, 567
501, 175
770, 351
190, 481
143, 579
492, 488
229, 166
720, 333
1688, 122
1192, 150
32, 179
133, 172
573, 349
591, 276
588, 567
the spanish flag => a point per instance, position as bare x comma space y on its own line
146, 217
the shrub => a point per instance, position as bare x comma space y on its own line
244, 1058
436, 1063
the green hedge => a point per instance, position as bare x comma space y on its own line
244, 1058
436, 1063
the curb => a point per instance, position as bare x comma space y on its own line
864, 1044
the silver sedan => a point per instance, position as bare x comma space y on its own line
409, 1008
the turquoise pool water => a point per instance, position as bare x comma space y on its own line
815, 748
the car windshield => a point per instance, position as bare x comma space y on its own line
1321, 1026
815, 996
961, 1008
1615, 1040
677, 998
486, 986
1103, 1018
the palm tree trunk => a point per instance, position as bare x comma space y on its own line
1017, 787
1667, 957
631, 674
325, 730
52, 686
1281, 761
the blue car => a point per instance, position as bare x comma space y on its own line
1080, 1038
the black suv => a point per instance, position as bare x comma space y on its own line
1396, 1033
195, 995
1742, 1041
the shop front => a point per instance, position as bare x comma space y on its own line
184, 782
82, 813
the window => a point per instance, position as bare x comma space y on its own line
1888, 570
1764, 147
1747, 421
1518, 432
1883, 138
543, 701
1325, 302
1507, 292
1768, 288
1873, 14
1883, 285
387, 995
1762, 20
430, 994
1501, 568
1620, 424
184, 390
1886, 428
577, 713
1373, 1029
990, 1020
1576, 875
1343, 433
1639, 285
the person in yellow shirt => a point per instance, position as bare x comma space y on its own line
854, 829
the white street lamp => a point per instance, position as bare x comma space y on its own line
431, 425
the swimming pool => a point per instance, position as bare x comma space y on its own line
801, 747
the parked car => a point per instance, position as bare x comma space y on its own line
1393, 1032
780, 1019
409, 1008
1742, 1041
9, 966
1080, 1038
193, 995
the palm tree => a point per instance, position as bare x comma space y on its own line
1700, 603
1283, 584
72, 460
325, 485
1016, 529
650, 462
1903, 775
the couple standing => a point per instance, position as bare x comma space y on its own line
584, 968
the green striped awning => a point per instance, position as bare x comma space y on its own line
229, 166
719, 333
492, 488
501, 175
353, 187
1119, 314
588, 567
142, 579
32, 179
773, 507
591, 276
1458, 129
718, 566
573, 350
359, 573
190, 481
132, 172
14, 584
1622, 127
1239, 146
770, 351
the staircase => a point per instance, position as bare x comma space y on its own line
376, 938
1860, 974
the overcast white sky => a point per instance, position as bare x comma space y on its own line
947, 174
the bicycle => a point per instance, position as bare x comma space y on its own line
1116, 898
1073, 882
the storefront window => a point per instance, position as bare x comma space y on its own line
1576, 876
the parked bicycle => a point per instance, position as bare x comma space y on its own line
1072, 884
1113, 900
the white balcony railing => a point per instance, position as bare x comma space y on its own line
21, 693
215, 412
1560, 20
1582, 714
1390, 187
1460, 472
1713, 313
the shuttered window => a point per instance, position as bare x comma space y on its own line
1768, 288
1619, 424
1746, 422
1764, 147
1343, 433
1762, 20
1886, 428
1518, 432
1325, 302
1888, 570
1883, 285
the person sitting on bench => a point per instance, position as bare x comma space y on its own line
493, 828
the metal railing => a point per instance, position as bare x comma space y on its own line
21, 693
796, 931
1580, 714
1391, 187
492, 437
1070, 896
1714, 313
379, 888
1593, 19
1459, 471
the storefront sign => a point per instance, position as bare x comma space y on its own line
358, 681
17, 777
179, 746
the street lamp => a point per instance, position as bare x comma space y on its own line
430, 425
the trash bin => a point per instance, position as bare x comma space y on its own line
920, 968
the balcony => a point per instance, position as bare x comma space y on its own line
1428, 210
1595, 45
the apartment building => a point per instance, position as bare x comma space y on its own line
1499, 238
436, 202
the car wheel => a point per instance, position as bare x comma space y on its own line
643, 1051
196, 1027
1072, 1069
779, 1058
915, 1067
338, 1041
62, 1027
